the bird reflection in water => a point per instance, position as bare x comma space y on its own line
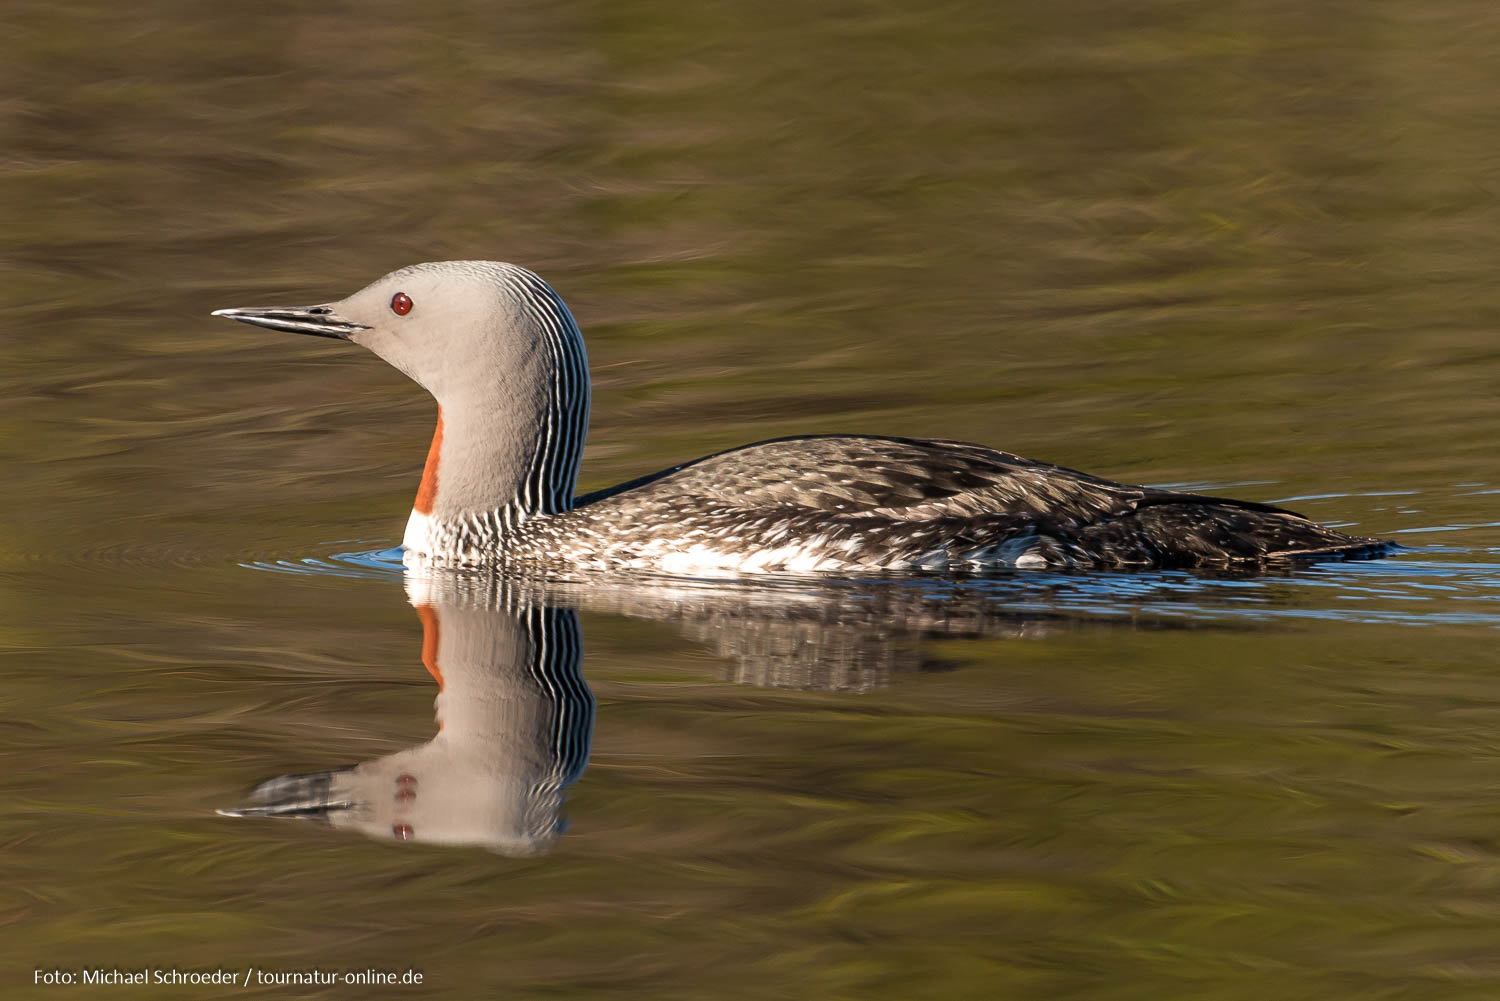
515, 716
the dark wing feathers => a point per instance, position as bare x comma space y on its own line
1196, 531
973, 496
893, 477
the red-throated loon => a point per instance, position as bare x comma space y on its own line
498, 349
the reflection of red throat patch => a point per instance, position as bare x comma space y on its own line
429, 616
427, 492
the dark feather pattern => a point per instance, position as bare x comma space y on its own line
861, 502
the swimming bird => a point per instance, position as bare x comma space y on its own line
505, 360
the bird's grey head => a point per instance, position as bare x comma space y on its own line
455, 327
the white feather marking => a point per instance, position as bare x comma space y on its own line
418, 537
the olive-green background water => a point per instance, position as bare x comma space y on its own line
1244, 246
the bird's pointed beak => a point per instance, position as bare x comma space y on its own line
321, 321
308, 795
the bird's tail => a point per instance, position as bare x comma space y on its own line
1183, 530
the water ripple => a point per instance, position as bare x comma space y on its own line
1422, 586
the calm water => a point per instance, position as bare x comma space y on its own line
1246, 247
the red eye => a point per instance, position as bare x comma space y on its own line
400, 304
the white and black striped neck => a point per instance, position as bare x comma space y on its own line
510, 436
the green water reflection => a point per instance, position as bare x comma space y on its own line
1247, 246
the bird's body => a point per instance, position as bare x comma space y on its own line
505, 360
859, 503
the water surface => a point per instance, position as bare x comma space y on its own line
1240, 247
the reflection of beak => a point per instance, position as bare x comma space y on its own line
321, 321
309, 795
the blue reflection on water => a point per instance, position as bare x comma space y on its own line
1420, 586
